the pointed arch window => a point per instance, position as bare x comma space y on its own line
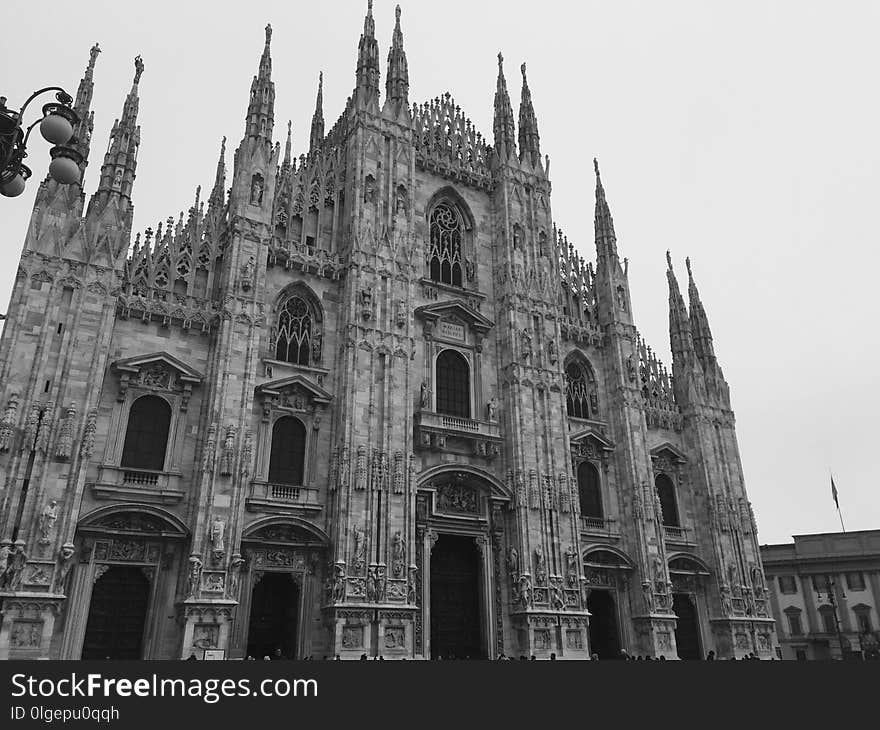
445, 242
453, 384
668, 502
146, 438
589, 491
295, 332
580, 392
287, 459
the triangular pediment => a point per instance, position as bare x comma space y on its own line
591, 435
141, 362
668, 451
293, 384
457, 312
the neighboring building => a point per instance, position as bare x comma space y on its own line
825, 589
366, 401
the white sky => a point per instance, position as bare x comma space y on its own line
743, 136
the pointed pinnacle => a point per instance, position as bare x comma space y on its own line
268, 34
669, 259
687, 263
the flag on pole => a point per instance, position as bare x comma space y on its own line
834, 492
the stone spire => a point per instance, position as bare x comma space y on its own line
505, 135
606, 240
261, 107
316, 136
82, 133
367, 76
397, 78
699, 324
287, 146
686, 371
529, 141
218, 192
120, 160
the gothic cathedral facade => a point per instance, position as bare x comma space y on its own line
364, 401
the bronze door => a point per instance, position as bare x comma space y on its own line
455, 606
117, 615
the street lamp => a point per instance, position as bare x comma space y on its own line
829, 590
56, 126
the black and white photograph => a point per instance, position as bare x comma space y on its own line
448, 332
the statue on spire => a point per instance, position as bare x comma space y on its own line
138, 68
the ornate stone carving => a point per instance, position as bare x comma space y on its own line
534, 491
218, 530
88, 438
375, 584
65, 563
195, 576
360, 472
540, 566
15, 565
26, 634
398, 555
64, 446
48, 517
557, 600
228, 457
454, 496
247, 451
210, 449
360, 549
367, 303
7, 423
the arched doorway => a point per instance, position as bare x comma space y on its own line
687, 631
117, 614
274, 616
604, 634
455, 598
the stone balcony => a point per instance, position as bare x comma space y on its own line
676, 535
271, 497
441, 432
141, 485
601, 527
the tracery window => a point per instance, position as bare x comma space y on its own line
146, 438
295, 332
579, 387
453, 384
445, 241
288, 453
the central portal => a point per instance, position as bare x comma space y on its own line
455, 602
274, 609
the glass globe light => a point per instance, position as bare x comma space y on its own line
13, 187
56, 129
64, 170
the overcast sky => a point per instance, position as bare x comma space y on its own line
744, 136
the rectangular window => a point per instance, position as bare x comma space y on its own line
794, 624
787, 584
863, 618
800, 655
821, 582
855, 581
828, 622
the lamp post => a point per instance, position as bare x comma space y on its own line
56, 126
829, 590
